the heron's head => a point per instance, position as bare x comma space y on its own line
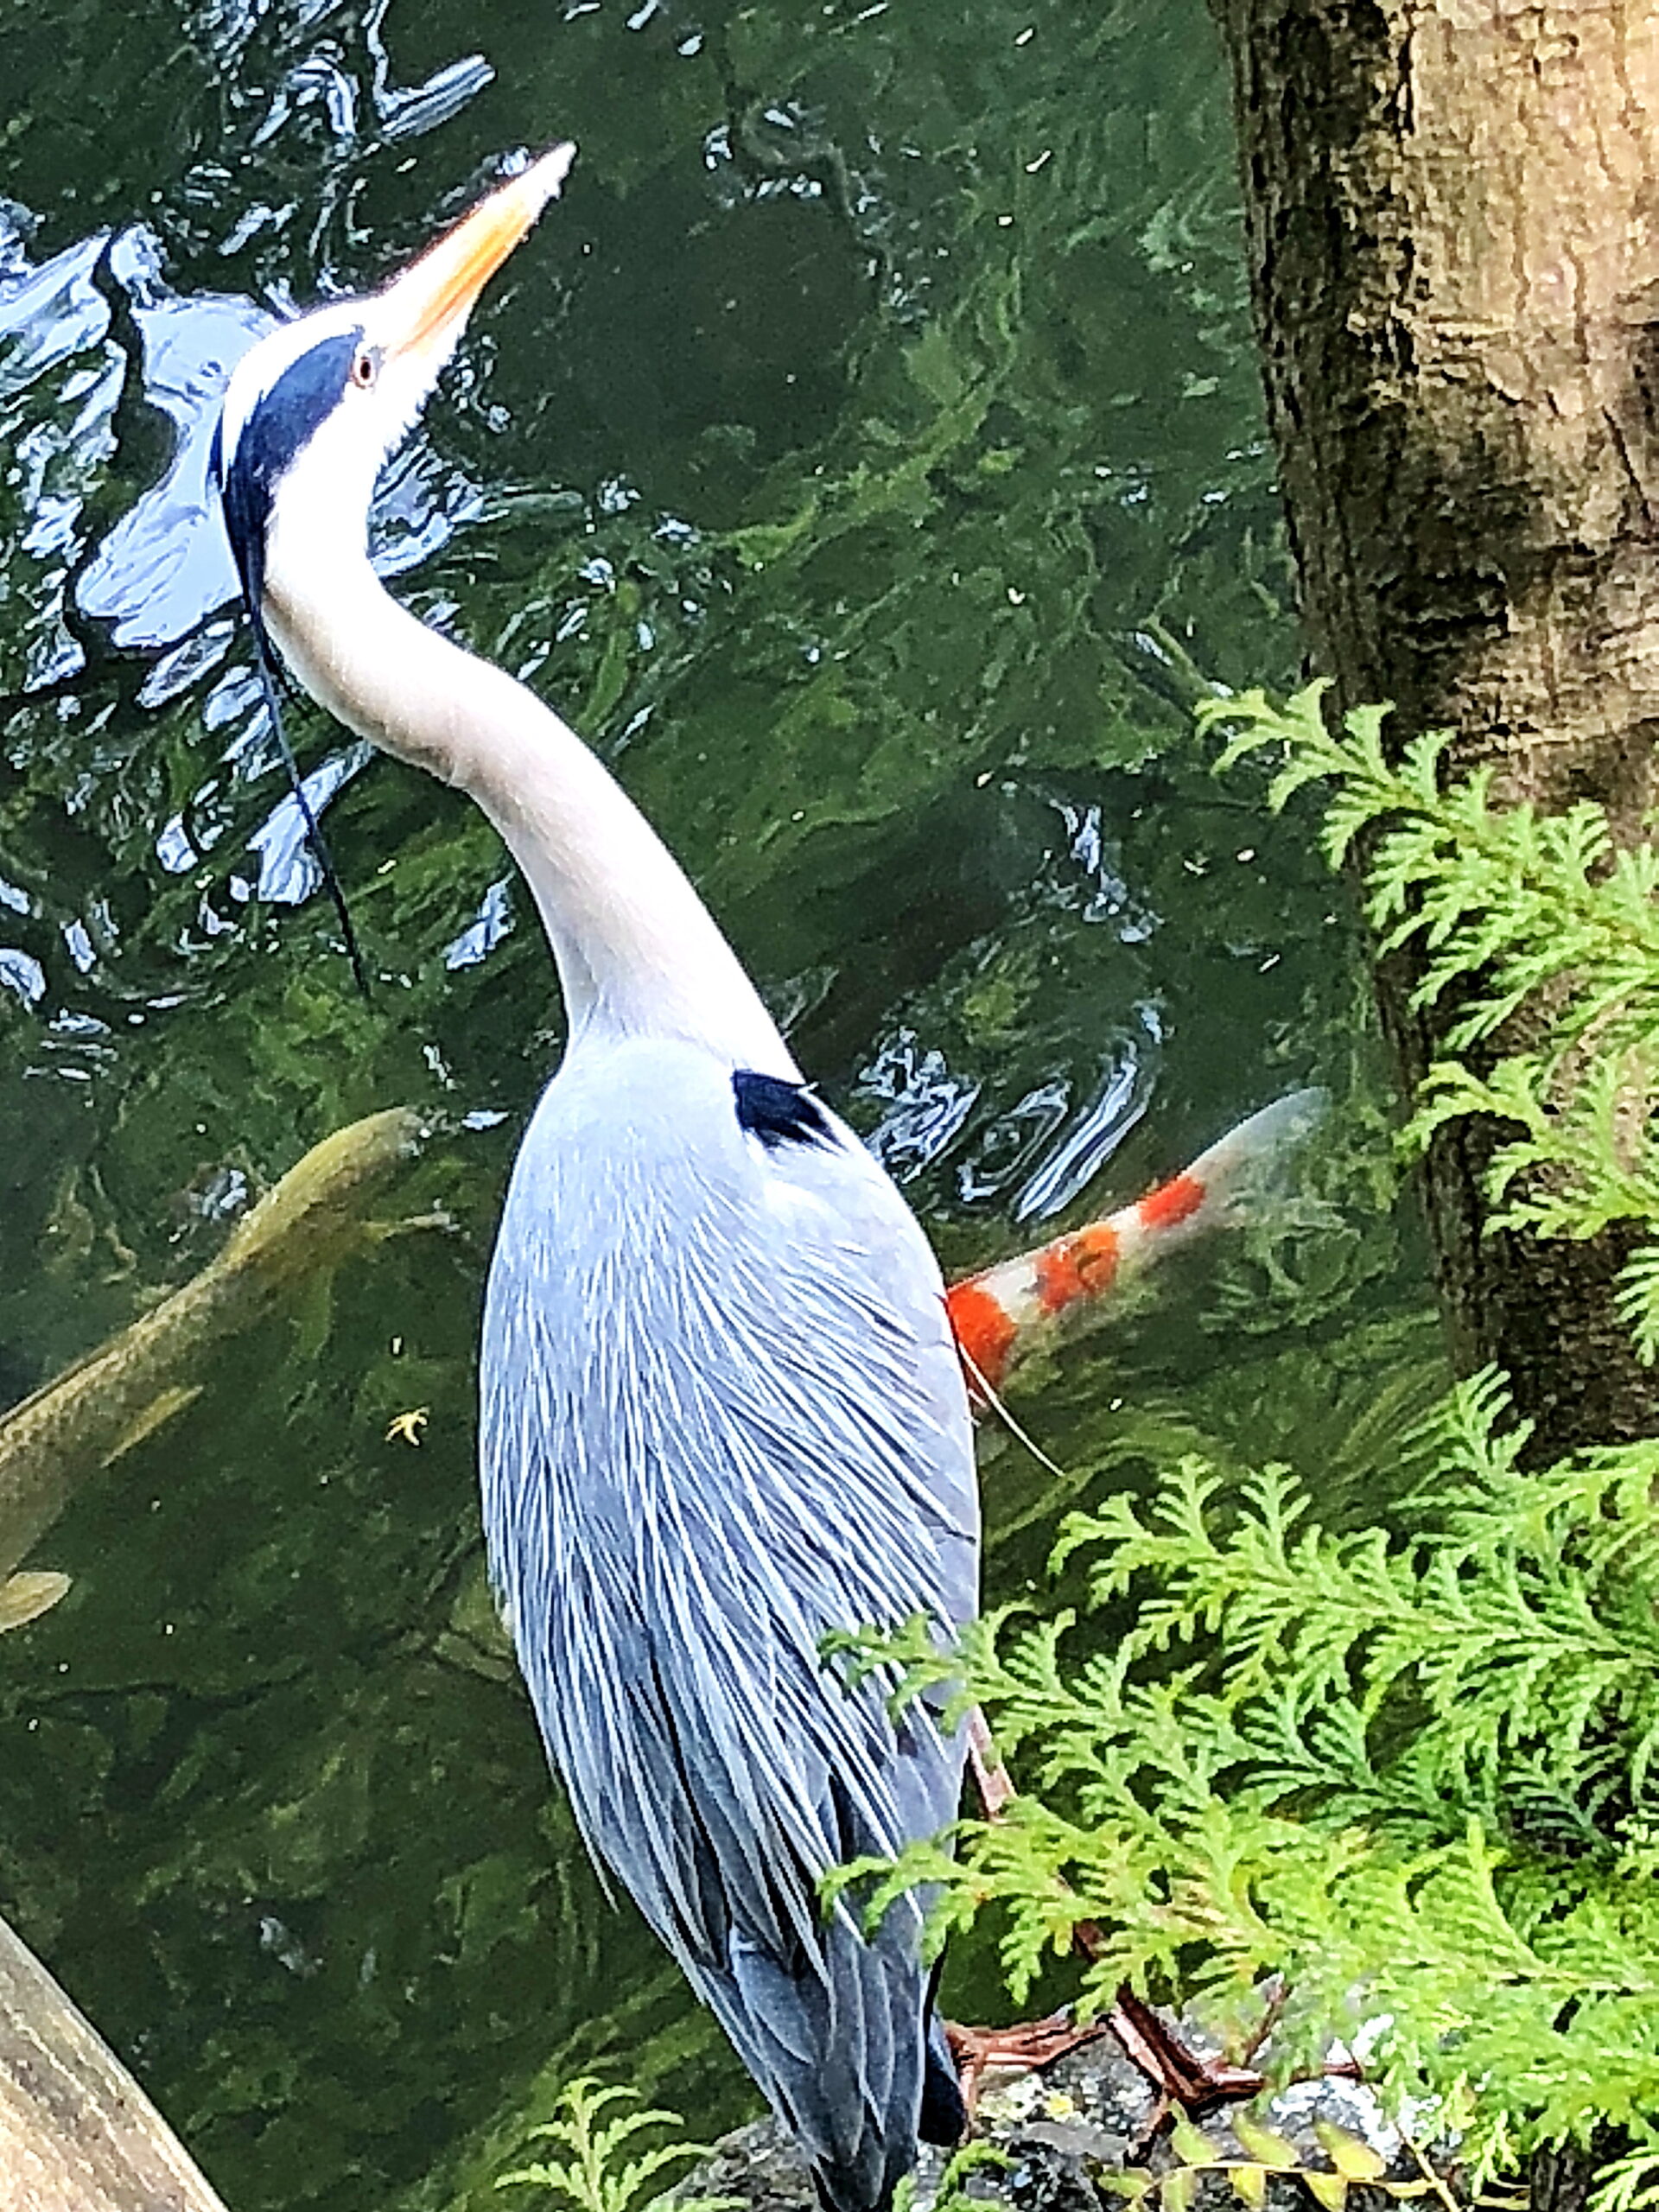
315, 409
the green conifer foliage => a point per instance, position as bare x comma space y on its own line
1410, 1770
1503, 904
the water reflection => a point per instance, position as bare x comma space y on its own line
164, 568
88, 343
58, 385
1096, 1128
481, 935
289, 869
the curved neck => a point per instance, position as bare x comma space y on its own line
637, 952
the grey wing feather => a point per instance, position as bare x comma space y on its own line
722, 1415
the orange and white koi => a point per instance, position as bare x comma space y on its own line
1007, 1311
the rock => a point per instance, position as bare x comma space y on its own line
1091, 2113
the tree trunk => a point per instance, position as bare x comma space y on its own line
1453, 218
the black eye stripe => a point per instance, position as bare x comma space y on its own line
277, 430
282, 421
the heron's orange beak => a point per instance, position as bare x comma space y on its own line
439, 291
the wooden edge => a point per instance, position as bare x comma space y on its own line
77, 2133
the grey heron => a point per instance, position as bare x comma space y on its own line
722, 1411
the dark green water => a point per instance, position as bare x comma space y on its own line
865, 455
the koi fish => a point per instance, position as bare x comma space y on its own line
71, 1428
1007, 1310
87, 1417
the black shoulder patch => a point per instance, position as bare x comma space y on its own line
778, 1112
304, 395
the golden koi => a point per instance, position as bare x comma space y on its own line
89, 1416
72, 1427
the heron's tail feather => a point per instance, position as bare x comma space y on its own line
943, 2116
1004, 1313
838, 2043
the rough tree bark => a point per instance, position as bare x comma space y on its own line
1452, 208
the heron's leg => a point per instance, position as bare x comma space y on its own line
991, 1778
1028, 2046
1180, 2074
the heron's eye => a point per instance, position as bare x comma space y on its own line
367, 367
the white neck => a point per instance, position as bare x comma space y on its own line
637, 952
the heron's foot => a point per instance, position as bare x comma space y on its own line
1182, 2076
988, 2054
1183, 2079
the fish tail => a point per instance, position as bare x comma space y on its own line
1002, 1313
24, 1598
1241, 1175
1236, 1179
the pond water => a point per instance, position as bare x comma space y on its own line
867, 455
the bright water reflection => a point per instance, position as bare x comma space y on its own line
866, 454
